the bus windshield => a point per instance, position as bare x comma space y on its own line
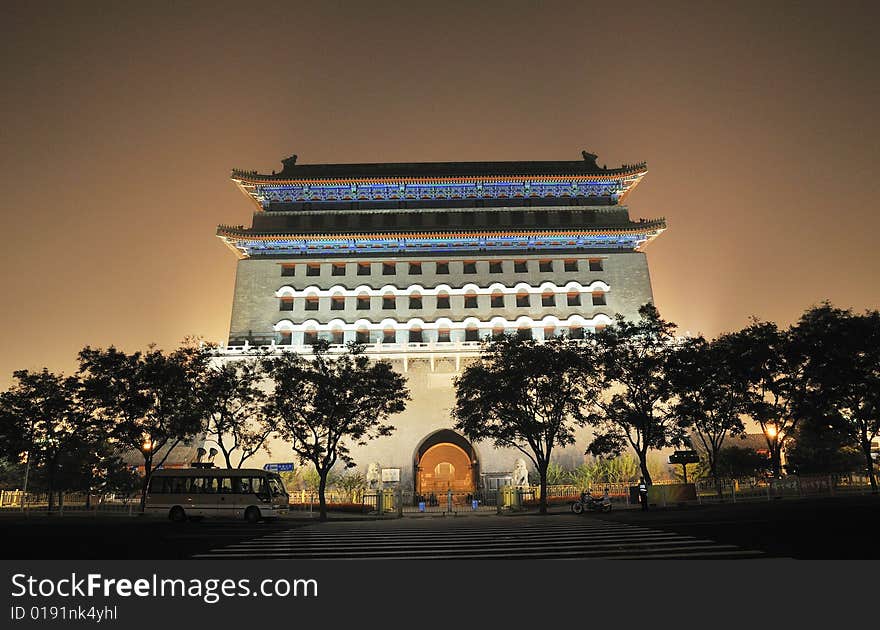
277, 487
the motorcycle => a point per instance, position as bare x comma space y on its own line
591, 504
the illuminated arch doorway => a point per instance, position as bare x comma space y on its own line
445, 461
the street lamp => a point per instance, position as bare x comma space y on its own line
773, 434
27, 469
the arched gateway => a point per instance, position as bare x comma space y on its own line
445, 461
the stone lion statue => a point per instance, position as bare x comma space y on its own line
520, 473
374, 475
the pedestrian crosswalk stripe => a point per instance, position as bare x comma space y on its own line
594, 539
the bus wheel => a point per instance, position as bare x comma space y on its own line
252, 515
177, 514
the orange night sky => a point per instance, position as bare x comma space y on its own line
120, 125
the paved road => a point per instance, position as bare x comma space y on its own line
836, 528
120, 537
560, 536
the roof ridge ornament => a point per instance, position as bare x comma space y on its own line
590, 157
288, 162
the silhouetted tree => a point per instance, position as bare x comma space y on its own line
709, 395
149, 400
43, 416
822, 444
235, 404
527, 395
771, 364
736, 462
323, 403
843, 372
634, 358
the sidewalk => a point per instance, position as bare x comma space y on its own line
457, 512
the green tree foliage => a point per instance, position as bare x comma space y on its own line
325, 403
620, 469
583, 477
44, 416
150, 400
306, 478
771, 365
634, 358
737, 462
556, 474
311, 478
527, 395
596, 470
843, 373
11, 471
235, 406
93, 466
695, 472
823, 445
709, 396
352, 484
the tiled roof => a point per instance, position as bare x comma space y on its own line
294, 171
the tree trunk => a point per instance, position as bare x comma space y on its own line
542, 506
643, 464
148, 474
776, 460
713, 471
322, 501
866, 448
50, 483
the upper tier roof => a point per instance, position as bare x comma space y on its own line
429, 170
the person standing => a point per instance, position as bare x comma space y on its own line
643, 494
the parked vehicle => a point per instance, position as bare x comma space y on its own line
588, 502
245, 493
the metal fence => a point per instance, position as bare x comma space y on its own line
758, 489
400, 502
71, 502
448, 502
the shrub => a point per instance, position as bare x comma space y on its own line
358, 508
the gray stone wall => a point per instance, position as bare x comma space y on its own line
256, 309
433, 397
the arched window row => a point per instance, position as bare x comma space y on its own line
288, 291
442, 331
495, 323
443, 301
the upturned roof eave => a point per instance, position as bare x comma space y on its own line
241, 233
253, 178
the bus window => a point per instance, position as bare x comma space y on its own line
277, 487
245, 485
258, 486
225, 486
210, 486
